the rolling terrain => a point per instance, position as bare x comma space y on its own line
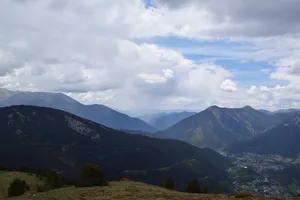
7, 177
282, 139
218, 127
98, 113
49, 138
129, 191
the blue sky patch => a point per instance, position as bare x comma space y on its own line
232, 55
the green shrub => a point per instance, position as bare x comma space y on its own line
53, 180
91, 175
243, 195
40, 188
17, 188
205, 190
217, 190
168, 184
193, 187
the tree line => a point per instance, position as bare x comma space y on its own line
90, 175
193, 186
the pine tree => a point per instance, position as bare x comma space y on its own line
168, 184
193, 187
205, 190
217, 190
91, 175
17, 188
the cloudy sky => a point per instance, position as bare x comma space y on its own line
154, 54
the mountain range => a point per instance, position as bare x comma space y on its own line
218, 127
214, 127
282, 139
44, 137
98, 113
162, 121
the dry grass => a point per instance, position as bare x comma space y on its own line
125, 191
7, 177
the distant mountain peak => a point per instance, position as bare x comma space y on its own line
55, 139
97, 113
213, 107
281, 139
248, 107
218, 127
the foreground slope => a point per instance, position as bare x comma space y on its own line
218, 127
129, 191
98, 113
7, 177
282, 139
48, 138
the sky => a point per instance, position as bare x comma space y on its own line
154, 54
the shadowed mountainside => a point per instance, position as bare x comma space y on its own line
218, 127
48, 138
98, 113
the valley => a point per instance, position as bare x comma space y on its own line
250, 161
263, 174
149, 99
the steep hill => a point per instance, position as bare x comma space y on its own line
98, 113
282, 139
162, 121
48, 138
218, 127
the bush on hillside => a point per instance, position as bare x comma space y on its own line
217, 190
124, 179
193, 187
205, 190
168, 184
53, 180
243, 195
3, 168
40, 188
17, 188
91, 175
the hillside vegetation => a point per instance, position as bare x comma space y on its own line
127, 191
282, 139
54, 139
7, 177
218, 127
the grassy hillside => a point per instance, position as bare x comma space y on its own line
7, 177
126, 191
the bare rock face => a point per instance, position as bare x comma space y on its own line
78, 126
